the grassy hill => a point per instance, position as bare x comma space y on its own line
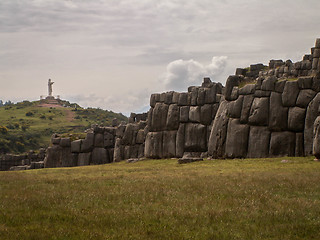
160, 199
29, 125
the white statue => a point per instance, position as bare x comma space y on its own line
50, 87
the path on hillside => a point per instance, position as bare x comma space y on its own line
69, 114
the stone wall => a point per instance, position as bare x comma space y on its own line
180, 122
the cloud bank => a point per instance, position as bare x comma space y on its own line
183, 73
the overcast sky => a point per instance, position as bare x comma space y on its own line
113, 54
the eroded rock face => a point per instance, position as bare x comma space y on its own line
259, 139
237, 139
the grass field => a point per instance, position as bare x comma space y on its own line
159, 199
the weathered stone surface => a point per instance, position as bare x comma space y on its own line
169, 144
282, 144
168, 97
235, 107
234, 93
159, 117
216, 145
195, 137
76, 146
246, 106
296, 117
247, 89
316, 81
232, 81
278, 119
87, 143
140, 137
269, 84
210, 94
162, 97
305, 82
214, 110
258, 145
299, 150
175, 97
261, 93
206, 114
173, 117
290, 93
55, 140
128, 136
207, 82
153, 145
194, 114
315, 63
121, 128
108, 140
65, 142
201, 96
237, 139
100, 156
311, 115
259, 112
180, 140
304, 98
57, 156
184, 114
316, 138
98, 140
118, 151
183, 99
194, 96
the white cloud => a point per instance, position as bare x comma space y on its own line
183, 73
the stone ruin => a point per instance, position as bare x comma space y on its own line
263, 111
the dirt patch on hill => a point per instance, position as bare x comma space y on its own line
69, 114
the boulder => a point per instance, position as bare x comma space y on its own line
278, 119
311, 115
108, 140
100, 156
259, 139
173, 117
206, 114
169, 144
140, 137
217, 139
65, 142
282, 144
235, 107
87, 143
210, 94
159, 117
259, 112
247, 89
153, 145
180, 140
184, 114
290, 93
76, 146
305, 82
232, 81
269, 84
246, 106
183, 99
168, 98
194, 114
234, 93
98, 140
316, 138
304, 98
237, 139
195, 137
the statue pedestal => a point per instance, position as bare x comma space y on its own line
50, 98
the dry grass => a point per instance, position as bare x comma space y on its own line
159, 199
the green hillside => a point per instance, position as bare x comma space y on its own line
28, 125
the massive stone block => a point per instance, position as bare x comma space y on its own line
118, 151
282, 144
206, 114
57, 156
247, 89
159, 117
154, 99
195, 138
169, 144
246, 106
100, 156
98, 140
84, 159
210, 95
235, 107
201, 96
183, 99
216, 145
168, 98
279, 86
153, 145
184, 114
140, 137
316, 138
311, 115
232, 81
129, 134
87, 143
305, 82
269, 84
65, 142
290, 93
194, 95
194, 114
108, 140
259, 139
304, 98
278, 119
299, 150
76, 146
296, 117
237, 139
180, 140
259, 112
173, 117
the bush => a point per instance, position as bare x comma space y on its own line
3, 130
29, 114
